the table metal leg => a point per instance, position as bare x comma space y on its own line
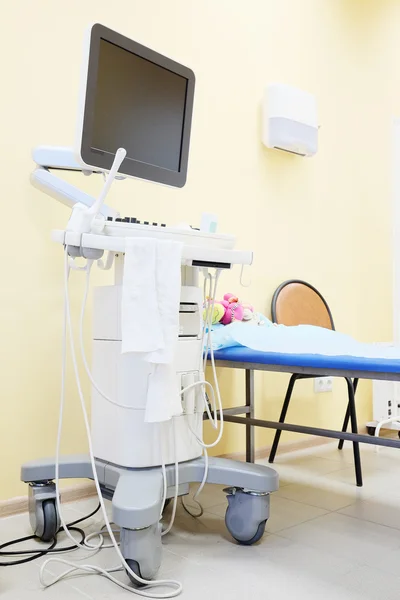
250, 452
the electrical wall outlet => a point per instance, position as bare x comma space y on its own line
323, 384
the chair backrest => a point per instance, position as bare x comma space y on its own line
296, 302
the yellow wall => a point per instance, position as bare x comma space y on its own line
324, 219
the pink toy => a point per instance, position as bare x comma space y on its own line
231, 298
233, 309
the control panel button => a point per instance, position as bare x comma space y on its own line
135, 221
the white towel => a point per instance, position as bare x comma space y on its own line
168, 285
150, 318
140, 317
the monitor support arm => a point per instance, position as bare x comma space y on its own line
47, 157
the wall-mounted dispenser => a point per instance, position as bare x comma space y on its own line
289, 118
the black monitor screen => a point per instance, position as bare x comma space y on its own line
139, 106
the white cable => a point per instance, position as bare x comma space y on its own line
209, 313
200, 441
207, 277
204, 480
91, 568
168, 529
73, 267
214, 422
198, 383
199, 490
111, 401
379, 426
100, 534
209, 317
207, 332
127, 406
203, 382
164, 472
209, 346
207, 325
82, 348
141, 580
62, 400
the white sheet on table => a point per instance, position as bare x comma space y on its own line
302, 339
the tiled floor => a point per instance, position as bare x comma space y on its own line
326, 539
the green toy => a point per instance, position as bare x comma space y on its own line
218, 313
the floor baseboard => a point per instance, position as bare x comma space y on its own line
284, 448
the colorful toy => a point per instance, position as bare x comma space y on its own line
233, 309
230, 309
218, 312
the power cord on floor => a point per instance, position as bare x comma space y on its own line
189, 512
52, 549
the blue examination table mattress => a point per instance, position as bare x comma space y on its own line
351, 367
240, 356
336, 365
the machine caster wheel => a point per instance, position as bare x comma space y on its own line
371, 430
135, 567
50, 521
142, 551
246, 515
43, 513
257, 537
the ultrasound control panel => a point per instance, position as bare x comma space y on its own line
136, 221
134, 227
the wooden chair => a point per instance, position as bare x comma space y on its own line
296, 302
